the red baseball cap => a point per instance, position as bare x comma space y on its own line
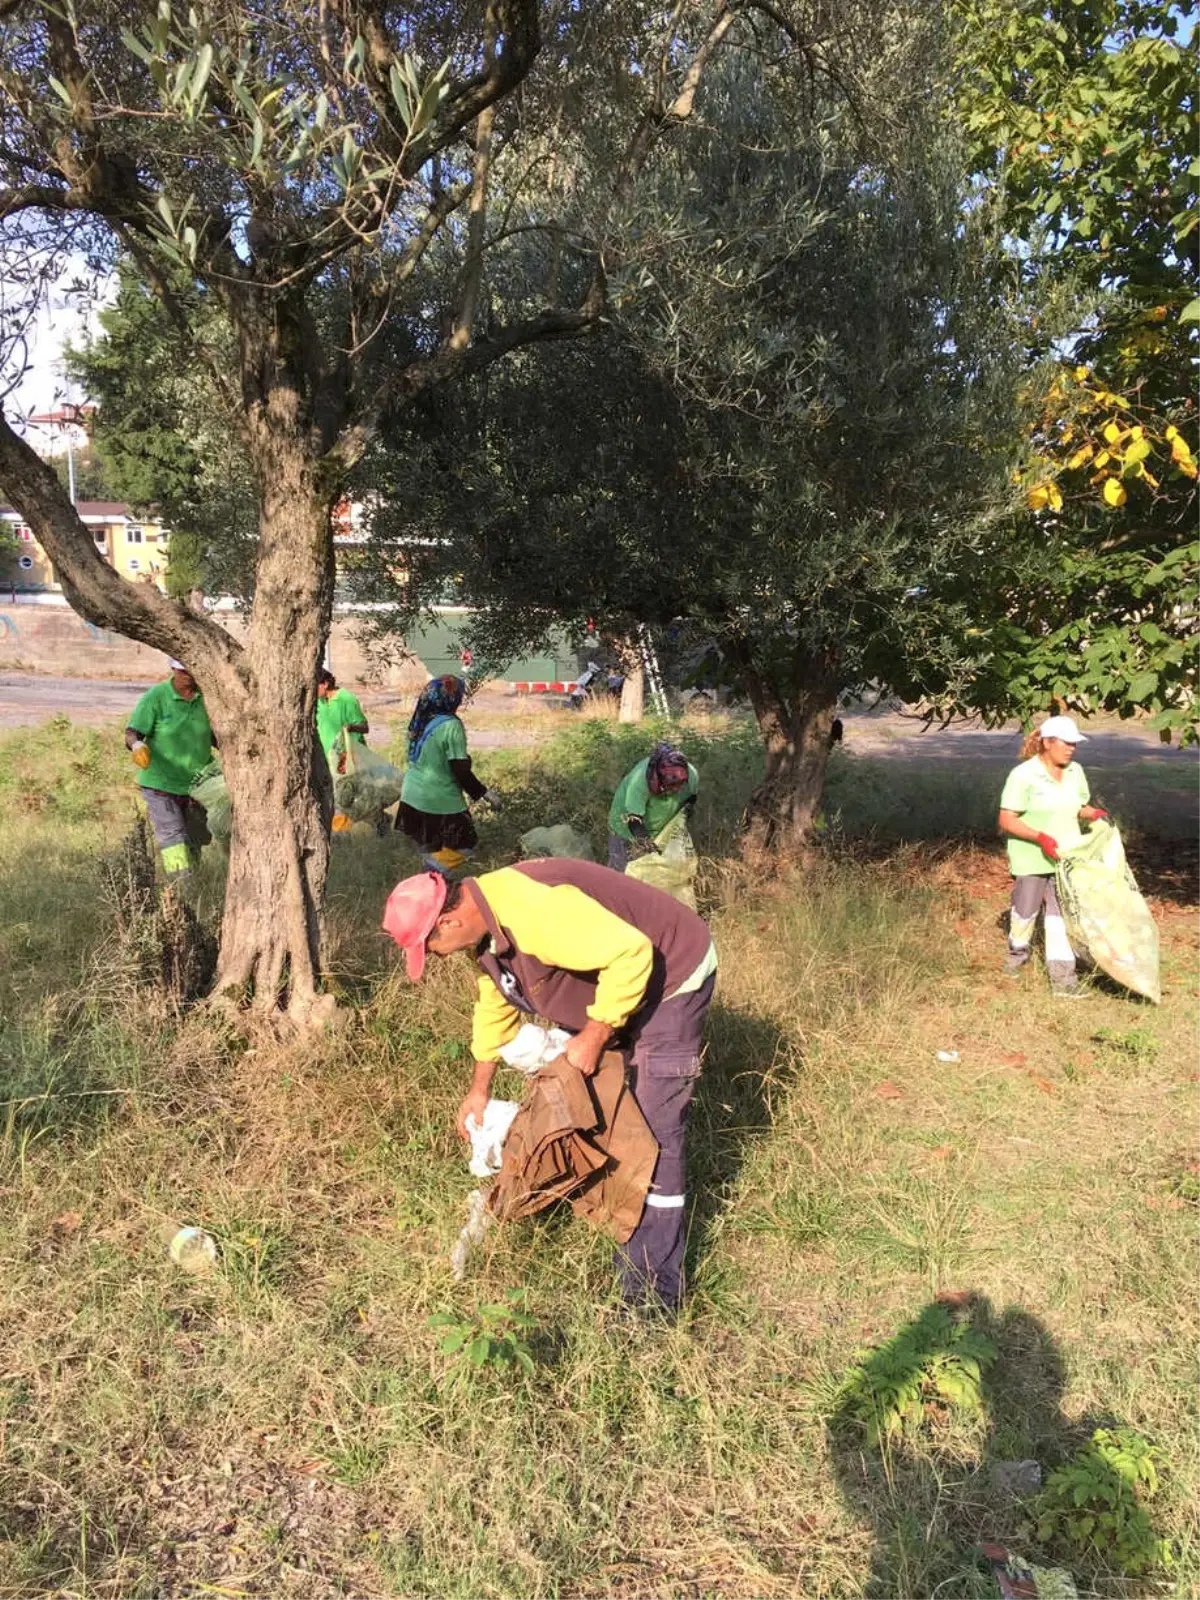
413, 907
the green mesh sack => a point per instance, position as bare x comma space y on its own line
560, 839
208, 789
672, 864
368, 785
1107, 919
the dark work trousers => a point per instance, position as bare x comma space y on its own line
664, 1065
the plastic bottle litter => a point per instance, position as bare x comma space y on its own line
194, 1250
948, 1055
479, 1220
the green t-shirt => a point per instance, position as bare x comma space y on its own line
333, 713
633, 799
179, 735
1047, 805
429, 785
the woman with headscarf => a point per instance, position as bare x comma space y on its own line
648, 797
439, 784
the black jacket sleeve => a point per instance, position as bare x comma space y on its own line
466, 780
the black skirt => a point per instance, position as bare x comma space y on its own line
432, 830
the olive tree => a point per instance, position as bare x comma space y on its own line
319, 172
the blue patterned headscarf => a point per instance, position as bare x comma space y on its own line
438, 700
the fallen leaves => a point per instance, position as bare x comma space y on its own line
887, 1090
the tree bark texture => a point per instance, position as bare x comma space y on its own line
796, 724
633, 690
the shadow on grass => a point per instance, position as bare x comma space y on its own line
730, 1112
933, 1489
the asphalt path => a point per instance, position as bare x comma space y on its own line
27, 699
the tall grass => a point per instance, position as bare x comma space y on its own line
288, 1425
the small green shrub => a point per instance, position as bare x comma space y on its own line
936, 1362
1139, 1043
1093, 1507
491, 1337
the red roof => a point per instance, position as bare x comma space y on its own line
68, 414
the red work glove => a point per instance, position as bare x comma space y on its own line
1049, 845
1099, 814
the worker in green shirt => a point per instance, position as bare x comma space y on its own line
439, 784
648, 797
1044, 801
337, 709
170, 739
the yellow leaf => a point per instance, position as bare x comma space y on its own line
1172, 432
1039, 496
1055, 497
1112, 432
1084, 453
1102, 459
1080, 374
1188, 468
1138, 451
1179, 449
1114, 492
1136, 431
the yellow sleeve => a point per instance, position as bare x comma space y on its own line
494, 1023
564, 927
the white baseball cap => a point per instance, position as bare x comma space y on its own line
1063, 728
175, 666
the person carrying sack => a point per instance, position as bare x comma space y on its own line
1044, 801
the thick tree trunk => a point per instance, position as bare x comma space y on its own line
796, 730
278, 778
633, 690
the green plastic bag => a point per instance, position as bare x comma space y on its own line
368, 785
208, 789
672, 864
560, 839
1107, 919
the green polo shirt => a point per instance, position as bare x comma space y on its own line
333, 713
633, 799
429, 785
179, 735
1049, 806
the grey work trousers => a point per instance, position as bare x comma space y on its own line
664, 1065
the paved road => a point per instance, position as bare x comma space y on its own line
27, 699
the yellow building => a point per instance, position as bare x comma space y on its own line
135, 546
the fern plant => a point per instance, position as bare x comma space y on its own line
936, 1361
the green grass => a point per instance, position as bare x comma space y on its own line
289, 1425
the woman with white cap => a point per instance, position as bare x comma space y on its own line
1044, 801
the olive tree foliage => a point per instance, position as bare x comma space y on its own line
807, 413
320, 172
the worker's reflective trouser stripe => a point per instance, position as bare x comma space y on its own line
665, 1066
1030, 893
